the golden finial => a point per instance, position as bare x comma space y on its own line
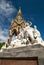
19, 11
19, 16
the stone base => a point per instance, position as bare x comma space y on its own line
19, 61
24, 52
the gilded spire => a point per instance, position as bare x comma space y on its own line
19, 11
19, 16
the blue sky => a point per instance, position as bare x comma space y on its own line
32, 10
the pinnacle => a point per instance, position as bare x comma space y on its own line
19, 11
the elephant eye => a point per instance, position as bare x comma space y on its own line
35, 37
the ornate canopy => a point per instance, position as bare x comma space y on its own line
17, 24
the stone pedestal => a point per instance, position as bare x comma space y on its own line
25, 52
19, 61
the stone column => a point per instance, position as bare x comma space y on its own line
9, 40
10, 37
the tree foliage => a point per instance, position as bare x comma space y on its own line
1, 44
